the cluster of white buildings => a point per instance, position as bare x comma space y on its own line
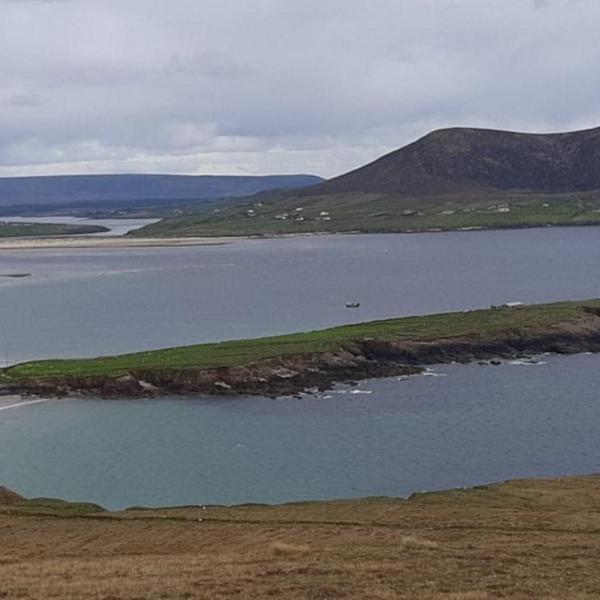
298, 216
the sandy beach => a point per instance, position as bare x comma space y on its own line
42, 243
14, 402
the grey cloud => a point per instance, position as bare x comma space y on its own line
266, 85
25, 100
208, 64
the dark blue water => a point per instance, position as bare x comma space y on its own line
471, 425
98, 301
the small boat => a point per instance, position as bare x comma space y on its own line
352, 304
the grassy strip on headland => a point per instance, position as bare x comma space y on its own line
10, 230
521, 540
471, 325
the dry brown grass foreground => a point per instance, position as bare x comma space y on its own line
522, 540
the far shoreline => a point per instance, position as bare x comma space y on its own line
44, 243
131, 241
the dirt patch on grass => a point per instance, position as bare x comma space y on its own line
9, 497
411, 541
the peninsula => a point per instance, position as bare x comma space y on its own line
42, 231
290, 364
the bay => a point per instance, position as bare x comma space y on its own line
461, 425
468, 425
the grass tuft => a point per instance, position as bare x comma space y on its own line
285, 549
413, 542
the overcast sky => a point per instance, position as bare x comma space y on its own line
280, 86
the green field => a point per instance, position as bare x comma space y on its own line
377, 213
9, 230
470, 325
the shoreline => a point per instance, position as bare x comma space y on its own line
378, 230
132, 241
317, 361
12, 498
523, 538
127, 241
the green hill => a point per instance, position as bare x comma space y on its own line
450, 179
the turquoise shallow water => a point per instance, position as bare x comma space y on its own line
468, 425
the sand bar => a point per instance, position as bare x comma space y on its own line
41, 243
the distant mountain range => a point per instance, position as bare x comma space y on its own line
458, 178
127, 191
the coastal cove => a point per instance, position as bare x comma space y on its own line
459, 425
299, 301
389, 436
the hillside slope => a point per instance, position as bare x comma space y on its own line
458, 160
450, 179
8, 497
